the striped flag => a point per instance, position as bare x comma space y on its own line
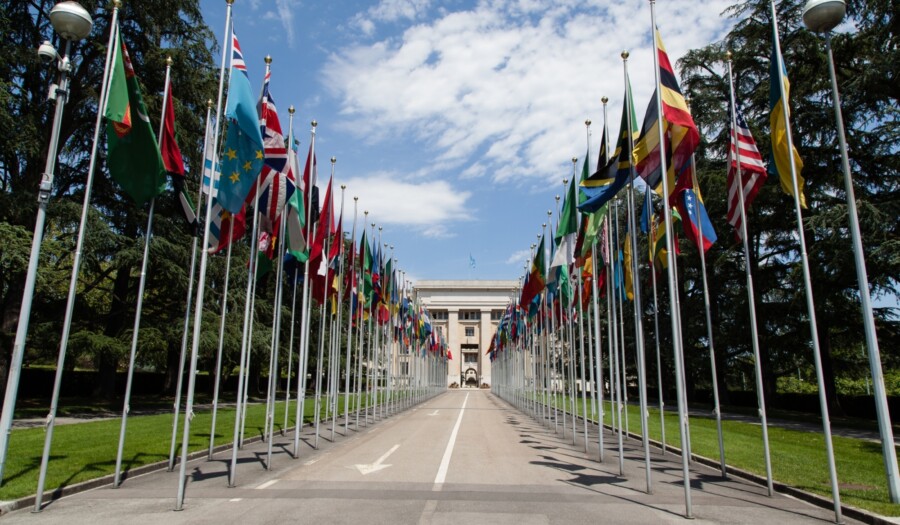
753, 170
209, 161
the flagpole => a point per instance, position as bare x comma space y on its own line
276, 336
613, 322
676, 328
117, 477
187, 310
303, 351
31, 275
336, 343
706, 305
623, 363
223, 315
198, 308
319, 365
636, 284
590, 335
350, 326
290, 357
662, 414
360, 306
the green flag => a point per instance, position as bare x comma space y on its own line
133, 156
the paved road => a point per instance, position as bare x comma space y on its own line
463, 457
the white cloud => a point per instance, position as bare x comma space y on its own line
503, 89
519, 257
429, 207
285, 12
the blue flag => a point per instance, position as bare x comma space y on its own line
243, 157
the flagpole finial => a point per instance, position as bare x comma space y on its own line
379, 230
209, 103
117, 4
169, 61
291, 109
343, 186
557, 198
268, 59
229, 2
587, 122
333, 160
604, 100
366, 213
574, 160
543, 225
314, 123
728, 56
549, 213
355, 198
625, 55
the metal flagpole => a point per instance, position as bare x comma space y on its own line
662, 415
305, 311
676, 329
142, 281
290, 357
595, 292
336, 344
636, 283
276, 339
360, 307
28, 294
349, 354
204, 255
322, 321
176, 406
613, 321
580, 310
621, 347
222, 320
717, 407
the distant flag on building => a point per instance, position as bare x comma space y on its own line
133, 159
471, 261
780, 162
242, 157
753, 170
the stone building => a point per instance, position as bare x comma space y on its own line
467, 312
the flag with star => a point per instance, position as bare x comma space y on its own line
242, 157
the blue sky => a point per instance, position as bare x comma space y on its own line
454, 122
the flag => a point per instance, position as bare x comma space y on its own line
683, 133
471, 262
590, 222
753, 171
276, 155
696, 223
566, 230
295, 220
220, 233
535, 284
646, 148
646, 212
209, 159
174, 164
627, 260
243, 156
308, 186
602, 186
133, 155
274, 193
780, 161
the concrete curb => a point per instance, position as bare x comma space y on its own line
61, 492
849, 511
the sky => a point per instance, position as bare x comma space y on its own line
455, 122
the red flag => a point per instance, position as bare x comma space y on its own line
171, 155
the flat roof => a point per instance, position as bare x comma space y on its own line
468, 284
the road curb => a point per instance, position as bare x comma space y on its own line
28, 501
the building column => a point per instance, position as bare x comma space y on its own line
455, 365
484, 361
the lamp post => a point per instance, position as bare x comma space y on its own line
821, 16
73, 23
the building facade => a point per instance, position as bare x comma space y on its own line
467, 313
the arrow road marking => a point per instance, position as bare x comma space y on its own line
379, 463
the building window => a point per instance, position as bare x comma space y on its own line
471, 358
469, 315
404, 368
470, 331
439, 315
496, 315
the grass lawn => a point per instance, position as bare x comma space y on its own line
85, 451
798, 458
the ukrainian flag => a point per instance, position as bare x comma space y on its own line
780, 161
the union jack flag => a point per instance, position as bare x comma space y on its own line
270, 128
753, 171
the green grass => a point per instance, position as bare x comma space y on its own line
798, 458
86, 451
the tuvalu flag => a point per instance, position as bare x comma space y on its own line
133, 157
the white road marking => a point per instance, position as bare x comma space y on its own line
267, 484
379, 463
310, 462
445, 461
435, 412
235, 499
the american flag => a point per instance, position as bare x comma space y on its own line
753, 171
